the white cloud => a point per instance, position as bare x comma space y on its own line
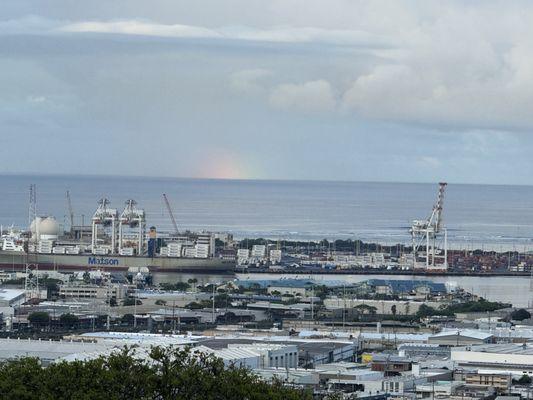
454, 65
132, 27
313, 96
466, 68
278, 34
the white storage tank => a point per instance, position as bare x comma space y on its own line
44, 228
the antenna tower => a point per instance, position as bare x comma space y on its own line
31, 283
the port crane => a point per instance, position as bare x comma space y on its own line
425, 234
169, 209
133, 218
105, 217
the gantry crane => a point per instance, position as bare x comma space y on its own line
425, 234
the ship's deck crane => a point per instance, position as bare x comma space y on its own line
427, 231
169, 209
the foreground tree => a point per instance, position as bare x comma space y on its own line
165, 373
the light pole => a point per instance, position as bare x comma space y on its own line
135, 308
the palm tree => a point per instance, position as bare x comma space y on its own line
193, 282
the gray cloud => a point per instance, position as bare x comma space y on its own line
365, 90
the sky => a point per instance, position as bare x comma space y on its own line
409, 91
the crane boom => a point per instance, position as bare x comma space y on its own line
439, 205
70, 211
169, 209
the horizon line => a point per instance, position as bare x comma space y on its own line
133, 176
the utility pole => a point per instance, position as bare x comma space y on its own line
213, 311
173, 316
344, 306
135, 308
312, 302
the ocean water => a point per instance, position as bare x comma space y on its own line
475, 215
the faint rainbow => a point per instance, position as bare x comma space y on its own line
227, 164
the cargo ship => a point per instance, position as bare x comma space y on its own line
113, 241
17, 260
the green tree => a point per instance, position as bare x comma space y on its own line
524, 380
520, 315
365, 309
393, 309
167, 373
39, 318
178, 286
194, 306
128, 319
52, 287
69, 320
193, 282
131, 302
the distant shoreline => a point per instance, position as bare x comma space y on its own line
380, 272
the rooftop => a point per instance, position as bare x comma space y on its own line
505, 348
405, 286
10, 294
470, 333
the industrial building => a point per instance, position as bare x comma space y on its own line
461, 337
12, 297
113, 291
514, 359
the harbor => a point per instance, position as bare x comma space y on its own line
123, 240
285, 200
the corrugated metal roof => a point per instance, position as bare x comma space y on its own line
470, 333
10, 294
